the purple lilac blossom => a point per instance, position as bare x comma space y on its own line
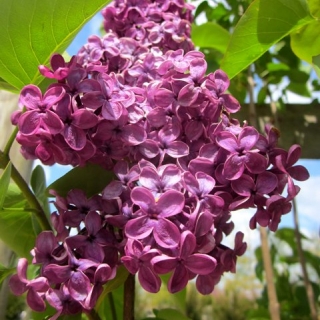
137, 101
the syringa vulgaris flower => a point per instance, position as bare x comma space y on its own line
137, 101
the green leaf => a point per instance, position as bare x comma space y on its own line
263, 24
299, 88
104, 310
118, 281
210, 35
4, 183
50, 311
288, 235
5, 272
271, 66
92, 179
16, 230
169, 314
316, 64
314, 6
305, 42
31, 33
4, 85
14, 198
180, 297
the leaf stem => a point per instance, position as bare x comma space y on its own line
28, 194
10, 141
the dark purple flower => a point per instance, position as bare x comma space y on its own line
63, 302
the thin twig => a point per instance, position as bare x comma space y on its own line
28, 194
310, 294
128, 298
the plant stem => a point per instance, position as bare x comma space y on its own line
112, 306
128, 298
310, 294
28, 194
10, 141
274, 309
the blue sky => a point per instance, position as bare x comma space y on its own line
308, 200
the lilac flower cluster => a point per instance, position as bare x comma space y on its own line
137, 101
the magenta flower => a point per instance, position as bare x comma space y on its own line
39, 114
185, 264
137, 260
35, 288
73, 275
242, 156
153, 216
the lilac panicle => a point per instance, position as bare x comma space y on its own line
137, 101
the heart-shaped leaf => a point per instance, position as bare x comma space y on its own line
210, 35
92, 179
31, 31
263, 24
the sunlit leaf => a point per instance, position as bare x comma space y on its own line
31, 31
4, 183
263, 24
92, 179
4, 85
314, 6
210, 35
305, 42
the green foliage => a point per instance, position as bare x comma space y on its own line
291, 292
210, 35
261, 26
5, 272
31, 33
16, 225
305, 42
114, 286
92, 179
17, 230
